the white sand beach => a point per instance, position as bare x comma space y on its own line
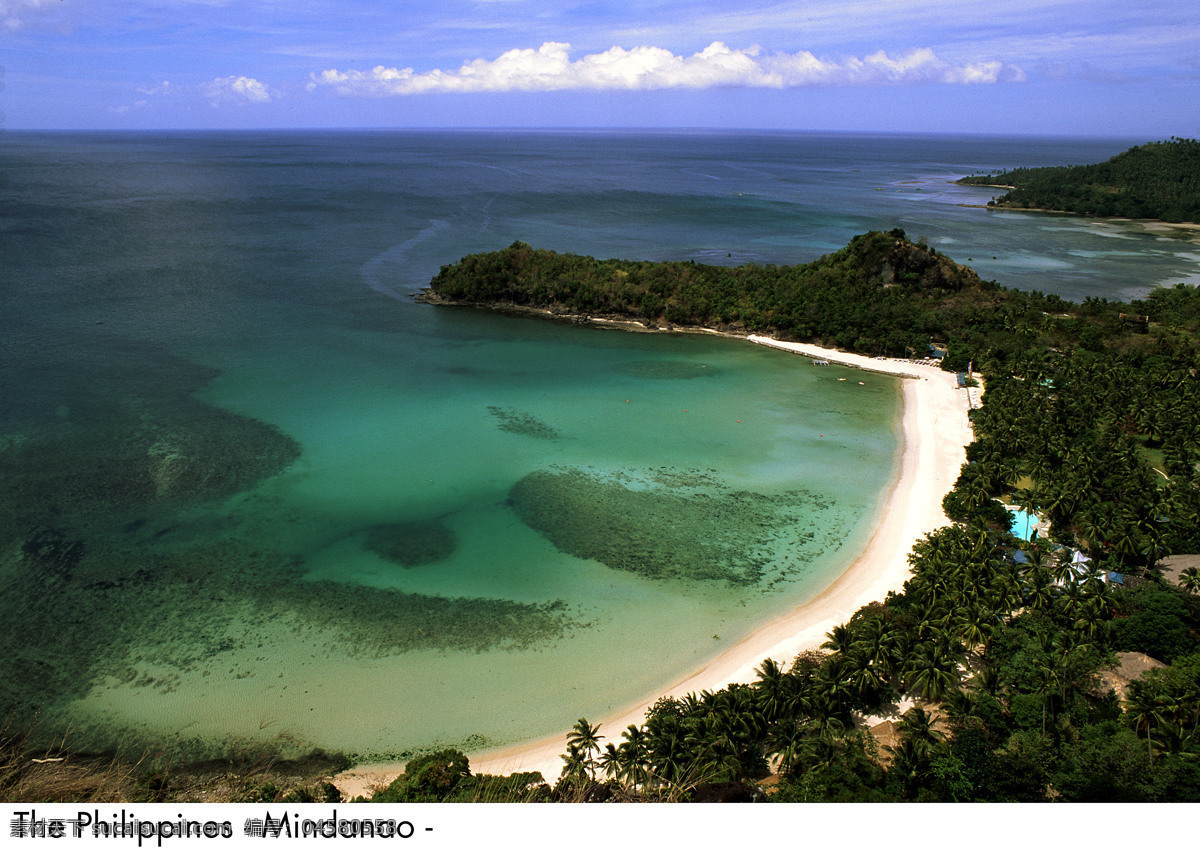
935, 433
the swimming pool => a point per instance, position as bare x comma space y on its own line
1023, 524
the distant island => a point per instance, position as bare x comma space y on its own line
1159, 180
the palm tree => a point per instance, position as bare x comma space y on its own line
866, 678
1189, 709
931, 671
633, 755
1063, 570
584, 740
668, 752
1189, 580
1146, 711
1090, 619
978, 488
831, 693
610, 761
1126, 541
1100, 593
739, 727
973, 626
838, 639
1093, 528
1050, 672
915, 749
961, 704
776, 692
1039, 586
917, 724
1004, 596
819, 745
574, 770
1070, 599
786, 742
877, 642
1153, 546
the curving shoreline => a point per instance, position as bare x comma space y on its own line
935, 431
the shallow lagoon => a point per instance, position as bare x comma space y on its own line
441, 550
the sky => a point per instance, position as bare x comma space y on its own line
1118, 68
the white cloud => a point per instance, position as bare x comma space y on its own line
238, 89
550, 68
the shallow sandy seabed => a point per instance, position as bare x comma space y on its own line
935, 432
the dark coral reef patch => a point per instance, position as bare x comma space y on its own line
522, 423
133, 436
668, 524
73, 616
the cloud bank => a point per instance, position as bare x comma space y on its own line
550, 68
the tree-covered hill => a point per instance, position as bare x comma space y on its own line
1159, 180
880, 295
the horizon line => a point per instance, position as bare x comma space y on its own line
568, 129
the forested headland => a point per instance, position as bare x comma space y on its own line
1159, 180
881, 295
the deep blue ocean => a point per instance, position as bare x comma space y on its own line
250, 490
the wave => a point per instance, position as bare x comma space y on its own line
397, 254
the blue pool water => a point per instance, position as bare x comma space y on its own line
1023, 524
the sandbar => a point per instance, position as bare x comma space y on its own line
935, 431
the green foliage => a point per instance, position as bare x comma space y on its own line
949, 780
969, 770
879, 295
1160, 180
429, 778
261, 793
851, 774
1155, 620
1176, 308
1106, 763
445, 777
1076, 429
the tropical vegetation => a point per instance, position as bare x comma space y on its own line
1160, 180
881, 295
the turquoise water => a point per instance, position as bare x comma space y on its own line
1023, 523
250, 490
585, 494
